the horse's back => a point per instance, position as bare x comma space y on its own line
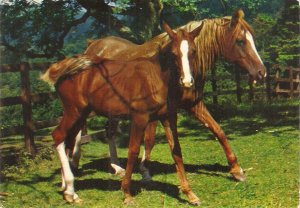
117, 48
108, 47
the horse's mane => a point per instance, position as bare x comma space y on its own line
66, 67
210, 40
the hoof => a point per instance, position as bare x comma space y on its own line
120, 173
128, 200
195, 203
193, 199
72, 198
118, 170
238, 175
78, 200
69, 198
146, 178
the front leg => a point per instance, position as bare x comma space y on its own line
201, 113
170, 128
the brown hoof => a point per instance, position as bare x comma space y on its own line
193, 199
238, 175
195, 203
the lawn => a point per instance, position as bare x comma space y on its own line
265, 138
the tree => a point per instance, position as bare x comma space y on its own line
41, 30
38, 30
285, 44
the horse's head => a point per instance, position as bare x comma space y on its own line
184, 50
239, 47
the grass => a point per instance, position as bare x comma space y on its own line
265, 138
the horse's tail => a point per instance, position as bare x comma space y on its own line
66, 67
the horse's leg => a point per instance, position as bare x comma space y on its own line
76, 151
172, 138
149, 140
68, 126
111, 129
138, 125
202, 114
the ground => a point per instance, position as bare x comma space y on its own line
264, 136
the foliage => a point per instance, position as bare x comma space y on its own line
32, 30
287, 39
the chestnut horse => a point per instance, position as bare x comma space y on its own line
141, 90
229, 37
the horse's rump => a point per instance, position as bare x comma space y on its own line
66, 67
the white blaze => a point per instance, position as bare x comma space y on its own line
250, 39
184, 48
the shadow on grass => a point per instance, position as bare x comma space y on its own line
136, 186
156, 168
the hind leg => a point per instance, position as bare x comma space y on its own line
76, 154
170, 128
111, 129
149, 140
67, 129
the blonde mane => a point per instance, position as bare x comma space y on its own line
210, 41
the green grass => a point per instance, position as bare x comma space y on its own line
265, 138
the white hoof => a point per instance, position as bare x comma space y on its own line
118, 170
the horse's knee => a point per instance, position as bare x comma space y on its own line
58, 136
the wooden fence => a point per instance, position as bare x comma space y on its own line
26, 99
287, 81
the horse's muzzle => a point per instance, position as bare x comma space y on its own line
186, 84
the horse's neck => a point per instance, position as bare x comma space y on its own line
209, 43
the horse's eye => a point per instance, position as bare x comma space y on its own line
240, 42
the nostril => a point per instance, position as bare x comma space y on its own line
181, 80
192, 81
262, 74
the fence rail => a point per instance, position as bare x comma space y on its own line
288, 83
26, 98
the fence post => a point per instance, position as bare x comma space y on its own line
291, 81
214, 85
27, 108
268, 81
238, 84
251, 91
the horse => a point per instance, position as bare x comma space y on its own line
140, 90
230, 37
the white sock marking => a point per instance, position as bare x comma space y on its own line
67, 173
184, 48
77, 151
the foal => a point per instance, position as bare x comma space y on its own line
138, 89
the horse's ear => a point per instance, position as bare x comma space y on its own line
237, 15
89, 41
196, 31
170, 32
